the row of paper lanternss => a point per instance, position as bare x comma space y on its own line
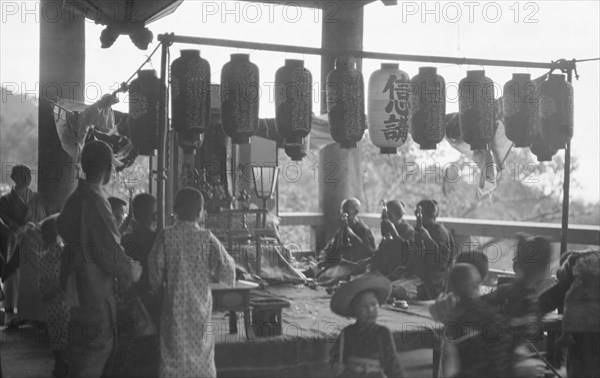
535, 114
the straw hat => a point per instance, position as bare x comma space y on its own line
342, 298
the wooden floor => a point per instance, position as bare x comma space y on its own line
26, 353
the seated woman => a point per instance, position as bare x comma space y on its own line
353, 241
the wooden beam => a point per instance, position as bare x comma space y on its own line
313, 3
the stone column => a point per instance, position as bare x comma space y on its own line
62, 74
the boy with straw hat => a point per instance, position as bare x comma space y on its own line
364, 349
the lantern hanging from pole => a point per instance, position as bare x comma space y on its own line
543, 150
297, 151
427, 108
346, 103
477, 109
143, 111
520, 106
265, 179
190, 99
240, 95
388, 108
556, 110
293, 101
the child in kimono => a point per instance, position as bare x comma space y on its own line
473, 345
57, 311
364, 349
445, 303
517, 302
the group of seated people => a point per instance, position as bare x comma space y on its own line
491, 335
424, 253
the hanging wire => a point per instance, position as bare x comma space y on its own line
124, 84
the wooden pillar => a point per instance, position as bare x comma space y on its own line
340, 174
62, 74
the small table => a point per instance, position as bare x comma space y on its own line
232, 299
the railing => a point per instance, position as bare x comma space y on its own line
463, 231
578, 234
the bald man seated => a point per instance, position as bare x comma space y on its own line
353, 242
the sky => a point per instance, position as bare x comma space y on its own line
535, 31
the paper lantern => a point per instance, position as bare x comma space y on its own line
297, 151
143, 111
190, 141
427, 108
556, 110
520, 103
293, 101
543, 150
346, 103
477, 109
190, 98
240, 95
388, 108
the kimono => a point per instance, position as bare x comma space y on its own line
334, 251
520, 318
366, 352
91, 260
138, 245
433, 262
16, 212
185, 259
478, 347
57, 312
578, 289
137, 356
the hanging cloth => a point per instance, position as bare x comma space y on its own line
73, 120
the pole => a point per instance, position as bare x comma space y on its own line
566, 188
162, 128
359, 54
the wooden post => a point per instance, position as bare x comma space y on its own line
340, 174
62, 74
564, 237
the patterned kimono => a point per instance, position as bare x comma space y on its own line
57, 311
186, 259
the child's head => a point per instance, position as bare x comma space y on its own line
361, 297
119, 208
48, 230
188, 204
430, 210
478, 259
464, 280
21, 175
144, 209
532, 258
395, 210
364, 307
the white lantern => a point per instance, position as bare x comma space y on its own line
388, 108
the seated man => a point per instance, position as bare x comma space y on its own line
435, 249
398, 236
393, 226
353, 242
